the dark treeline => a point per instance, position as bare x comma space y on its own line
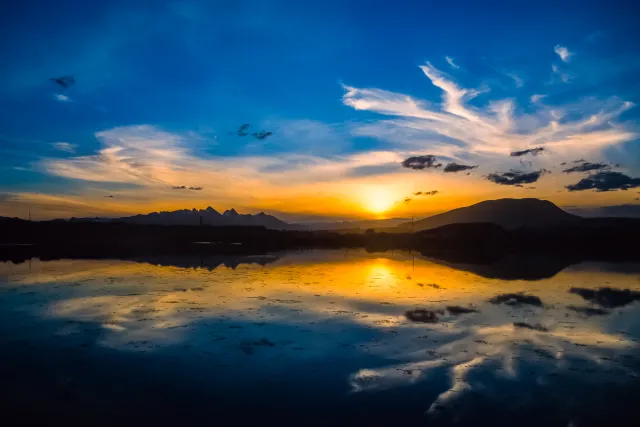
603, 238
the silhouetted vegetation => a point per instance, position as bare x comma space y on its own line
473, 244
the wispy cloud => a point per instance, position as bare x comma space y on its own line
563, 53
519, 82
563, 76
536, 98
65, 146
451, 63
62, 98
457, 129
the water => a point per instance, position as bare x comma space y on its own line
319, 338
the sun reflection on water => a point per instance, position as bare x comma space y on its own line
317, 305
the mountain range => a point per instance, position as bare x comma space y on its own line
507, 213
208, 216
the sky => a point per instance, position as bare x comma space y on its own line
375, 109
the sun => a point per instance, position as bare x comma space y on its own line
378, 200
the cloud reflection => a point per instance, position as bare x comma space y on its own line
320, 305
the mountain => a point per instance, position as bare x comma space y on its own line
508, 213
208, 216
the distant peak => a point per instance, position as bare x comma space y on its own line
230, 213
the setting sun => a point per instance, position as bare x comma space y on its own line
378, 200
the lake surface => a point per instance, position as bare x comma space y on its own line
319, 338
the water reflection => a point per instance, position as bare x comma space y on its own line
348, 327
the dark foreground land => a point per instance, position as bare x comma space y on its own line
600, 238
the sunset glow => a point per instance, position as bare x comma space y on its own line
122, 137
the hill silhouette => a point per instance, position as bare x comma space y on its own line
208, 216
510, 214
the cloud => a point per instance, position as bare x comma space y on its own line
515, 177
516, 79
608, 297
563, 53
407, 200
533, 151
65, 146
516, 299
455, 128
605, 181
183, 187
534, 327
261, 135
584, 166
450, 61
421, 162
243, 130
421, 315
426, 193
563, 76
589, 311
455, 167
62, 98
456, 310
536, 98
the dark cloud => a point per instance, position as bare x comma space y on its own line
426, 193
587, 167
64, 81
607, 297
110, 196
455, 167
605, 181
536, 327
516, 177
407, 200
182, 187
262, 134
533, 151
423, 316
243, 130
421, 162
589, 311
519, 298
457, 310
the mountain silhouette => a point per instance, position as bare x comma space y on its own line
507, 213
208, 216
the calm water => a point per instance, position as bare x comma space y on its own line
319, 338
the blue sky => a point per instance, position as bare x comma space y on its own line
162, 87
